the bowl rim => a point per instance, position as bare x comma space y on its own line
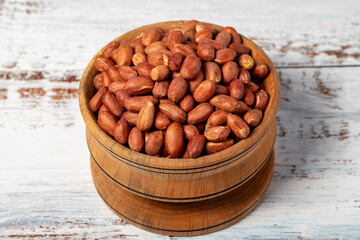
143, 160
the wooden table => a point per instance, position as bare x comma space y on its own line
46, 190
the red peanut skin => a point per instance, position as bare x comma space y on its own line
121, 131
174, 140
96, 100
261, 100
195, 146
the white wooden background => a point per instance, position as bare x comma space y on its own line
46, 190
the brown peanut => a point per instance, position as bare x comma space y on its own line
160, 89
195, 146
174, 112
260, 70
114, 75
238, 126
202, 34
261, 100
139, 86
109, 48
124, 55
236, 89
144, 69
121, 131
160, 73
187, 103
200, 113
98, 81
190, 131
127, 72
194, 83
220, 89
253, 117
190, 67
246, 61
151, 35
212, 147
230, 71
161, 121
112, 104
229, 104
244, 75
249, 97
96, 100
216, 133
177, 89
239, 48
136, 139
134, 104
130, 117
174, 36
224, 55
206, 51
235, 38
174, 140
102, 64
204, 91
107, 122
224, 38
157, 58
212, 72
121, 96
154, 143
175, 61
218, 118
146, 117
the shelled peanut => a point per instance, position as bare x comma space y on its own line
185, 92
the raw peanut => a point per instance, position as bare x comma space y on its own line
121, 131
190, 131
139, 86
160, 73
161, 121
212, 72
127, 72
109, 48
103, 109
106, 81
205, 26
244, 75
151, 35
191, 44
220, 89
136, 140
206, 51
212, 42
166, 52
261, 100
114, 54
224, 38
236, 89
107, 122
254, 88
172, 111
246, 61
177, 89
186, 50
130, 117
160, 89
189, 25
134, 104
124, 55
202, 34
239, 48
174, 140
212, 147
189, 35
139, 48
260, 69
101, 64
175, 61
144, 69
138, 58
253, 117
230, 71
116, 86
174, 36
154, 143
136, 41
190, 67
204, 91
112, 104
155, 46
201, 126
113, 72
200, 113
98, 81
157, 58
175, 75
121, 96
224, 55
146, 117
187, 103
249, 97
238, 126
195, 146
194, 83
229, 104
218, 118
96, 100
216, 133
235, 38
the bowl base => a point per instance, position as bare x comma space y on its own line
184, 219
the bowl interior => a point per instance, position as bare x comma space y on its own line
87, 90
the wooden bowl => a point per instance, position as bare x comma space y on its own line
173, 181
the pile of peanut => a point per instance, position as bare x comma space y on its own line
186, 92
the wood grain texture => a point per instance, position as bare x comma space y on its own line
46, 189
